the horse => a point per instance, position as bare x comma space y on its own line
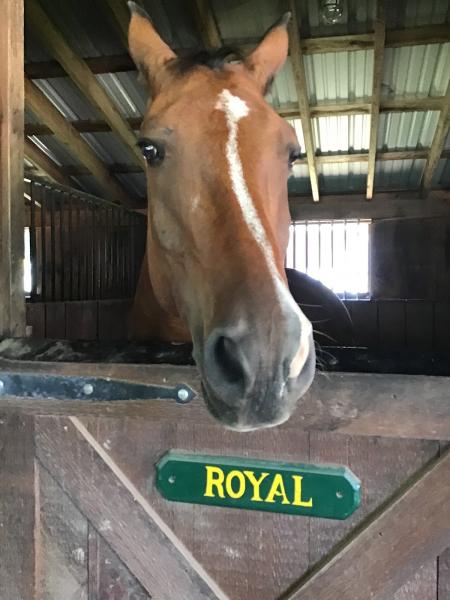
218, 159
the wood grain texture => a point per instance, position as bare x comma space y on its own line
400, 406
378, 54
17, 508
301, 86
75, 67
392, 545
73, 142
12, 301
62, 570
45, 166
109, 579
232, 545
115, 507
206, 23
437, 144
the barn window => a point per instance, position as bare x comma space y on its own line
334, 252
27, 263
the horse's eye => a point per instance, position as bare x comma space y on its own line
153, 152
294, 155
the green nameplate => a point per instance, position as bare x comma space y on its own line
295, 489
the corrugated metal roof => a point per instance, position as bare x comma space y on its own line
336, 178
341, 134
408, 130
398, 174
416, 70
339, 75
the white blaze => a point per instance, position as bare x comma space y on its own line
235, 109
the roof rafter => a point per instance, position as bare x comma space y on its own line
378, 54
45, 165
75, 144
437, 144
400, 104
433, 34
206, 23
298, 68
82, 76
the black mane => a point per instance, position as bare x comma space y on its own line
214, 59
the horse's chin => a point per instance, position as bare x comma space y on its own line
254, 412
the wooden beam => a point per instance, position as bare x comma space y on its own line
17, 497
397, 406
135, 531
206, 23
12, 299
82, 76
120, 18
301, 85
74, 143
331, 158
437, 145
428, 34
45, 166
388, 205
378, 53
325, 109
391, 546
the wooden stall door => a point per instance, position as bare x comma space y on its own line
80, 518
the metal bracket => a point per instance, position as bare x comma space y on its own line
92, 389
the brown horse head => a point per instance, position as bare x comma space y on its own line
218, 161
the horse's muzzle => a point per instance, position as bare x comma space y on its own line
246, 383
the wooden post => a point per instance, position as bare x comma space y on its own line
378, 53
12, 299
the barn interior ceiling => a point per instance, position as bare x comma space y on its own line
367, 90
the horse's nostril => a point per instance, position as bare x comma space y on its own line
227, 368
228, 360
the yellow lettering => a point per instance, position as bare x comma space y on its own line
214, 478
298, 493
228, 484
255, 483
277, 489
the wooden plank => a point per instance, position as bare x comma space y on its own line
206, 23
442, 325
73, 142
126, 520
419, 324
55, 320
381, 464
12, 301
82, 76
109, 579
323, 109
401, 406
378, 54
45, 166
390, 205
112, 319
62, 572
437, 144
17, 508
444, 575
391, 324
427, 34
390, 548
364, 315
301, 85
36, 318
82, 320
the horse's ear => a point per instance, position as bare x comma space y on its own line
269, 56
147, 49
